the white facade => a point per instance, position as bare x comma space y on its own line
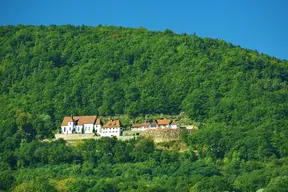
163, 126
97, 129
174, 126
78, 128
141, 128
68, 129
80, 124
109, 132
88, 128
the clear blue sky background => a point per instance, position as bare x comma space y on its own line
252, 24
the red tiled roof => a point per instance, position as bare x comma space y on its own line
163, 121
66, 120
86, 120
112, 123
140, 125
146, 124
98, 122
79, 119
174, 123
136, 125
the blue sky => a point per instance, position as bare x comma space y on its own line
254, 24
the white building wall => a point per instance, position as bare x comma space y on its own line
64, 129
140, 129
78, 128
154, 127
109, 132
67, 129
88, 128
97, 128
163, 126
174, 126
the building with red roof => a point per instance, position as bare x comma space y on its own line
80, 124
158, 123
174, 125
140, 127
111, 128
163, 123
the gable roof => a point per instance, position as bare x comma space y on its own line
80, 120
174, 123
163, 121
112, 123
98, 122
141, 125
86, 120
66, 120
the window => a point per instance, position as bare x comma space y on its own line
64, 129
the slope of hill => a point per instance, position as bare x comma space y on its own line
239, 96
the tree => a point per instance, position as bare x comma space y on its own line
6, 180
143, 149
40, 184
277, 184
215, 183
43, 126
24, 124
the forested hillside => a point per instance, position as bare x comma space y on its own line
238, 96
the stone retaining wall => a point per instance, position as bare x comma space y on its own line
158, 135
131, 133
162, 134
86, 136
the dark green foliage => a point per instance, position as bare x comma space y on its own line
237, 96
50, 71
278, 184
143, 149
38, 184
43, 153
212, 184
112, 165
6, 179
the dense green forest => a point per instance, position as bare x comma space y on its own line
238, 97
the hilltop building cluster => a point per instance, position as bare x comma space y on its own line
159, 123
92, 124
